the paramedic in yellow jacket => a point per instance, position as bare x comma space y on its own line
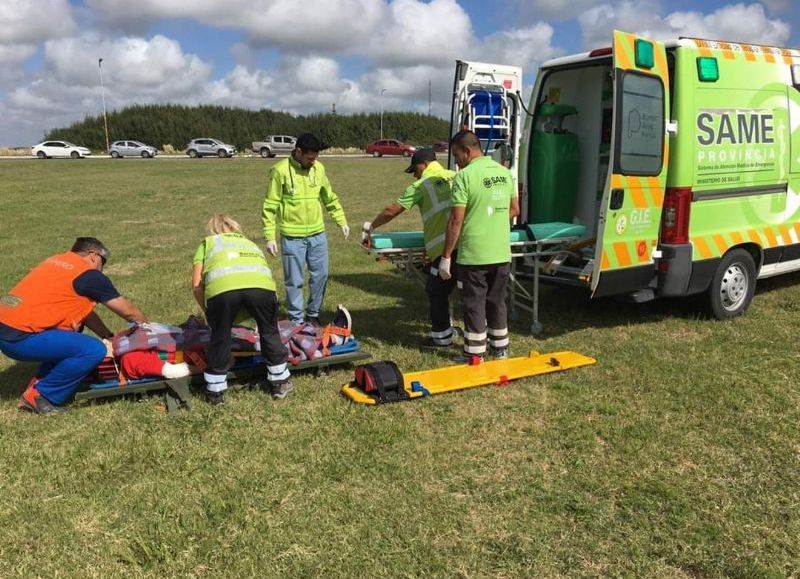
431, 192
231, 276
297, 191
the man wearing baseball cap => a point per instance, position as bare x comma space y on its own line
430, 192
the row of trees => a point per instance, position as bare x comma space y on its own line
176, 125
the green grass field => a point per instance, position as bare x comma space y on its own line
677, 455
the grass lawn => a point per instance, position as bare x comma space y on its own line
677, 455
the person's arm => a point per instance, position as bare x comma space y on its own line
125, 309
198, 289
513, 211
388, 213
96, 324
272, 201
454, 225
331, 202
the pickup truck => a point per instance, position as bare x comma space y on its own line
273, 145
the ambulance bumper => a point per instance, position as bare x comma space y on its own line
674, 269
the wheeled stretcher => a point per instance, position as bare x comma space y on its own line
530, 244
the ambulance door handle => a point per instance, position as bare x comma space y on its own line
617, 197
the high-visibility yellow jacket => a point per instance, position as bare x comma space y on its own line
295, 196
431, 193
231, 262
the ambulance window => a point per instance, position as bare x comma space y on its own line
639, 146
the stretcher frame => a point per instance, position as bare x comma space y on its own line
411, 262
178, 391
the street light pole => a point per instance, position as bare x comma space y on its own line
103, 93
383, 90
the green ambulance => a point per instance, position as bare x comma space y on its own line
677, 162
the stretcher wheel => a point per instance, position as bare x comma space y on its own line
536, 327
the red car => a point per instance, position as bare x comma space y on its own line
390, 147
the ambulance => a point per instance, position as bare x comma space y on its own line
678, 161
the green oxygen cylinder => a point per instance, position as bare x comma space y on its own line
554, 168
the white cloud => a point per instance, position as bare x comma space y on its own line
333, 25
555, 9
24, 24
416, 32
404, 44
737, 23
525, 47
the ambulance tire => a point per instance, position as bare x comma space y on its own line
733, 285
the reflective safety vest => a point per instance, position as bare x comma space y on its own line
435, 187
233, 262
45, 299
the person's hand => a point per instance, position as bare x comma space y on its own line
272, 247
346, 231
109, 348
366, 229
444, 268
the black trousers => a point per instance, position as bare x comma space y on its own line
221, 311
484, 289
439, 291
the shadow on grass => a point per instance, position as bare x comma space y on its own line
561, 309
14, 379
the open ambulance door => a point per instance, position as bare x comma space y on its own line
630, 210
487, 100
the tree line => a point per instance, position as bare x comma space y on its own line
176, 125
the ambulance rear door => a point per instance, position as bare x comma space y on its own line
630, 210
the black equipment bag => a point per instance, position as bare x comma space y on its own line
382, 380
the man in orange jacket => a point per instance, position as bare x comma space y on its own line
42, 317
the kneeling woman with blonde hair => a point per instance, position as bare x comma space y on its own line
230, 274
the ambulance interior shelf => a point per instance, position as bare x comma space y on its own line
532, 242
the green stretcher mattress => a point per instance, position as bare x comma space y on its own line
532, 232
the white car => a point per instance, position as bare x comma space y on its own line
50, 149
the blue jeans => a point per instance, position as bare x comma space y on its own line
66, 358
296, 253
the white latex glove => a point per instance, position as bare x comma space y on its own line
346, 231
109, 348
272, 248
366, 229
444, 268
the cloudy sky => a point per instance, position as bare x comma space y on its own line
305, 56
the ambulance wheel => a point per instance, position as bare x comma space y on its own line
733, 285
536, 327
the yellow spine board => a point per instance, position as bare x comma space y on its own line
463, 376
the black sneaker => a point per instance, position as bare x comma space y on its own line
431, 343
498, 353
282, 390
215, 398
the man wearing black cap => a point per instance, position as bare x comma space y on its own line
297, 191
431, 193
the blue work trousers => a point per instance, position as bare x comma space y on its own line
66, 359
296, 254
